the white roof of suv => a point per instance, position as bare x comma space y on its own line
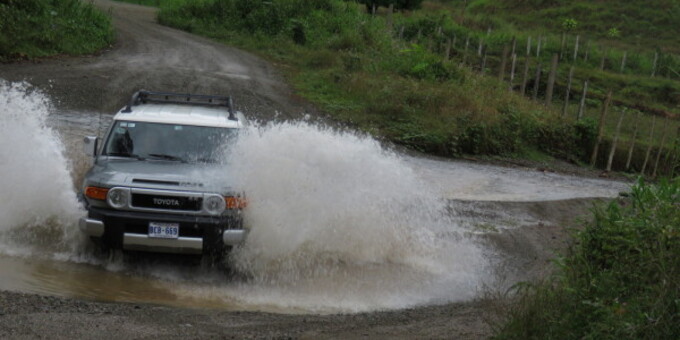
185, 114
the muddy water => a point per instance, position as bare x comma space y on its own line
338, 224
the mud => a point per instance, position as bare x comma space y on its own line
525, 235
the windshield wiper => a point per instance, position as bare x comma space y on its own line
167, 157
124, 154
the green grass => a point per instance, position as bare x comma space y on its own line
396, 85
358, 71
648, 24
41, 28
619, 280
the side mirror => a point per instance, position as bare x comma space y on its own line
90, 144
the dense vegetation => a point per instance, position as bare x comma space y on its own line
39, 28
620, 280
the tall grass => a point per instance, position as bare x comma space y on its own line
39, 28
620, 279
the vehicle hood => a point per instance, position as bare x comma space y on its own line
160, 174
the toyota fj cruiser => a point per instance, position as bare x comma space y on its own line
158, 182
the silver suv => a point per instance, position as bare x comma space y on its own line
159, 181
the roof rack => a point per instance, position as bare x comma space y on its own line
143, 97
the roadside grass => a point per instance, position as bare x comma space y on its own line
618, 280
37, 28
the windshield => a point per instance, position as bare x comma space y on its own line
175, 142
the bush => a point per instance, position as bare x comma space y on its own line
37, 28
619, 280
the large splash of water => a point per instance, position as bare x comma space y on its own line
38, 206
339, 222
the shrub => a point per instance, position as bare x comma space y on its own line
619, 280
36, 28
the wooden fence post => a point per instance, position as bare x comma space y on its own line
512, 70
568, 92
514, 45
576, 47
582, 104
389, 16
537, 81
465, 51
604, 57
663, 144
623, 61
504, 61
525, 77
551, 79
656, 59
634, 139
483, 64
401, 32
538, 47
528, 46
615, 141
447, 53
649, 147
481, 45
600, 128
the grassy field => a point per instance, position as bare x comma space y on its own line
619, 280
40, 28
387, 75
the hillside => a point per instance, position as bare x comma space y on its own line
641, 24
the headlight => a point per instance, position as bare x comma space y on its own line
214, 204
117, 198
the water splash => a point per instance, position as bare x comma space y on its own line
339, 222
37, 205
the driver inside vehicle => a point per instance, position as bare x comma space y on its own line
122, 142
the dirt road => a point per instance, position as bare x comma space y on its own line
154, 57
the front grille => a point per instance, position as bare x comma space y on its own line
162, 202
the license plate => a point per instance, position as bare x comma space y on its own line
163, 230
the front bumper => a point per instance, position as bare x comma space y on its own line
129, 230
